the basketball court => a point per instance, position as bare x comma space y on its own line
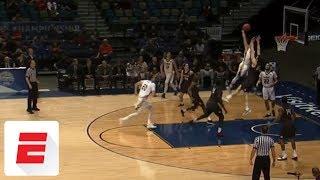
93, 143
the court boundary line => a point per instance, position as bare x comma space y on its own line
155, 163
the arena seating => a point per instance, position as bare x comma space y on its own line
3, 14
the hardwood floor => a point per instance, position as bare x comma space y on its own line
129, 151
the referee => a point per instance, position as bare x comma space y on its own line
261, 148
32, 81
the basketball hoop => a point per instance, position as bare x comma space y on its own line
282, 41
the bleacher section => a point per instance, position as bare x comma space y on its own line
3, 14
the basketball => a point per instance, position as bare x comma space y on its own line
246, 27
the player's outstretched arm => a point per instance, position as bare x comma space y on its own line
245, 42
259, 80
258, 39
252, 53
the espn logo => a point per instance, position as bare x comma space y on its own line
23, 149
31, 148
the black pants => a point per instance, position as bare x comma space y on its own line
213, 108
318, 92
33, 96
262, 163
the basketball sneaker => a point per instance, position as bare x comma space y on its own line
227, 98
182, 112
219, 134
163, 95
283, 157
175, 93
210, 122
267, 115
246, 112
151, 126
121, 120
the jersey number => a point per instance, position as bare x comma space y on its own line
266, 81
144, 87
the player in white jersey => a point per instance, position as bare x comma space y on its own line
168, 69
249, 58
249, 61
147, 88
269, 79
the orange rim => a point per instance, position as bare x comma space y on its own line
285, 37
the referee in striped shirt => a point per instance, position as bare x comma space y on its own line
261, 148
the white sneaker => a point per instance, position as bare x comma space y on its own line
227, 98
151, 126
121, 120
246, 112
283, 158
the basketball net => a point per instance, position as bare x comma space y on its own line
282, 42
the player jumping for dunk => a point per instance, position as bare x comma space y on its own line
215, 105
249, 62
147, 88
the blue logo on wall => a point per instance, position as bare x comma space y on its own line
6, 78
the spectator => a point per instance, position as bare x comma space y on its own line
74, 73
199, 47
41, 5
316, 173
102, 74
221, 75
88, 73
17, 18
30, 54
180, 60
154, 64
118, 74
7, 62
21, 61
132, 73
105, 50
142, 67
206, 73
52, 8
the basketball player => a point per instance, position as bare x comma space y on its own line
168, 68
248, 59
185, 82
215, 105
248, 64
147, 88
195, 97
269, 79
286, 118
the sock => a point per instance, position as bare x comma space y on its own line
284, 153
294, 154
246, 102
219, 129
149, 118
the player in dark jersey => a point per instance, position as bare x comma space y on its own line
185, 82
194, 95
286, 118
215, 105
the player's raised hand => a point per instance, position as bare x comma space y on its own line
258, 39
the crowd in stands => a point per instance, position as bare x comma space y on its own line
35, 10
